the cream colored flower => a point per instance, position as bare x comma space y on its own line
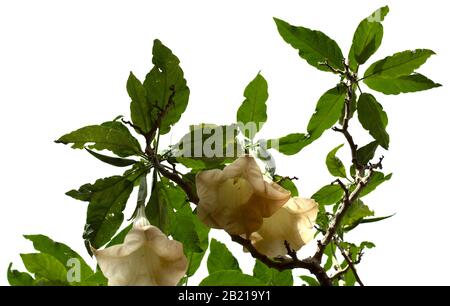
293, 223
237, 198
146, 258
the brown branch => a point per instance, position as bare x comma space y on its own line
138, 129
286, 264
331, 68
351, 264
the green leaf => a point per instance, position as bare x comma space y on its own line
357, 210
373, 118
310, 281
61, 252
115, 161
165, 197
328, 111
329, 252
120, 237
230, 278
183, 229
394, 86
287, 184
107, 199
220, 258
195, 258
272, 277
290, 144
207, 145
313, 46
166, 88
45, 266
399, 64
253, 110
373, 220
140, 106
366, 153
17, 278
367, 38
329, 194
111, 135
334, 164
377, 179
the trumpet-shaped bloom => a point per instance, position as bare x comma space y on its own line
146, 258
293, 223
237, 198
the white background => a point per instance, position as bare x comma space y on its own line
64, 65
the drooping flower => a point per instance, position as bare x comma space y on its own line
238, 197
146, 258
293, 223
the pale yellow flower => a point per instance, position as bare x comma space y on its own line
237, 198
146, 258
293, 223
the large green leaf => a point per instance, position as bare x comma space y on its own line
17, 278
366, 153
357, 211
328, 195
111, 135
140, 106
230, 278
373, 118
253, 110
183, 229
377, 179
166, 88
313, 46
328, 111
207, 145
289, 144
334, 164
195, 258
272, 277
407, 83
107, 199
45, 266
399, 64
61, 252
367, 38
165, 197
114, 161
220, 258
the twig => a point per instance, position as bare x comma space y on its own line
350, 263
331, 68
138, 129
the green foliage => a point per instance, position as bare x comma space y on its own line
230, 278
407, 83
220, 139
366, 153
60, 252
114, 161
140, 106
399, 64
328, 111
289, 144
313, 46
373, 118
310, 281
17, 278
45, 266
107, 199
272, 277
254, 109
287, 184
334, 164
328, 195
367, 38
377, 179
111, 135
220, 258
358, 210
167, 93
